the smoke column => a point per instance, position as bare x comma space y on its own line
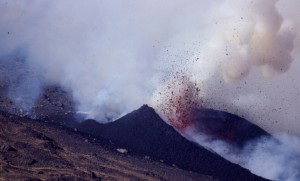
114, 56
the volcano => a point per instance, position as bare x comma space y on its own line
144, 133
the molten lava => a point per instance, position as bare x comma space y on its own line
182, 102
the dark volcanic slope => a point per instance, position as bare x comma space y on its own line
227, 127
145, 133
37, 150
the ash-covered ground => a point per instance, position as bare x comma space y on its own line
39, 150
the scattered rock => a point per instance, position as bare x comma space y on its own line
122, 150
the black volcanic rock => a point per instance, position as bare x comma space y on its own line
232, 129
144, 133
40, 150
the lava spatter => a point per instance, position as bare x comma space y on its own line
180, 102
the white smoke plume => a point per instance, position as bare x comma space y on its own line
265, 156
104, 52
114, 56
245, 59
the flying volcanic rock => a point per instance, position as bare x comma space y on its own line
144, 133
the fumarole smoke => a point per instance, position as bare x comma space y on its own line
113, 56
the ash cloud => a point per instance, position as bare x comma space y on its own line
113, 56
245, 60
248, 64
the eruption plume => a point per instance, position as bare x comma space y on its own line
178, 101
179, 56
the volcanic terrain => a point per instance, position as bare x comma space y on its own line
39, 150
47, 143
143, 132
